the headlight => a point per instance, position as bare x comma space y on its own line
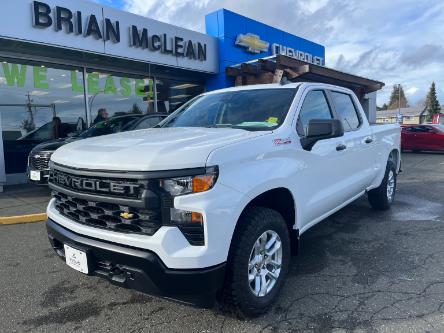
190, 184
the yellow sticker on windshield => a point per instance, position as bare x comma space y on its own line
273, 120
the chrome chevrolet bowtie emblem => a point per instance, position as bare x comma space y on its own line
252, 42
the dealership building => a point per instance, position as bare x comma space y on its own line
68, 59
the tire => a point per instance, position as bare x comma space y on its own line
238, 295
381, 198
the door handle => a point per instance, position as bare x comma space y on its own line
368, 140
341, 147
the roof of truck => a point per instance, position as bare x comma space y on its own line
289, 85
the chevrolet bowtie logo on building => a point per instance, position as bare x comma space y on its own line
252, 42
126, 215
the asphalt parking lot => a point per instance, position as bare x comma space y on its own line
359, 271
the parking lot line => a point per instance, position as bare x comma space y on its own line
23, 218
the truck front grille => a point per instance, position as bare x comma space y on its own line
116, 187
128, 202
108, 215
40, 161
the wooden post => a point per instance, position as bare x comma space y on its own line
278, 73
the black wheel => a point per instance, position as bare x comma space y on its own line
383, 196
258, 262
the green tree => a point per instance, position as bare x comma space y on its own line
381, 108
432, 103
27, 125
397, 98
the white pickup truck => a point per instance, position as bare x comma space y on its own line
214, 200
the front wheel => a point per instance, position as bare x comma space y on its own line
383, 196
258, 262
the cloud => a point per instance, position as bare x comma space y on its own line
425, 54
391, 41
312, 6
411, 90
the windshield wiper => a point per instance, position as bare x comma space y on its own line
254, 128
219, 126
243, 127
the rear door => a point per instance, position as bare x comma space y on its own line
360, 151
424, 138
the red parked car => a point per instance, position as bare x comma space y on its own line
422, 137
438, 118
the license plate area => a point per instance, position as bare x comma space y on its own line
35, 175
76, 259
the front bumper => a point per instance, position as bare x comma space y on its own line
139, 269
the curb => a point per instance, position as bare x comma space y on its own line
23, 218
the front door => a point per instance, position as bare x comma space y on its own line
321, 179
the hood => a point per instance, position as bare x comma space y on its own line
53, 144
150, 149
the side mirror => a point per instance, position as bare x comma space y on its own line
321, 129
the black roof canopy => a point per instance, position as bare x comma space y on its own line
274, 69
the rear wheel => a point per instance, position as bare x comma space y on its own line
383, 196
258, 262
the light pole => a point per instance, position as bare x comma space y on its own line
399, 104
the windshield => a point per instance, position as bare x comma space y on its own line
107, 127
440, 127
256, 109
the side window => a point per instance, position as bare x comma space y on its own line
418, 129
44, 133
315, 106
346, 110
148, 122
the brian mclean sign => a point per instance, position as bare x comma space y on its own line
76, 22
90, 27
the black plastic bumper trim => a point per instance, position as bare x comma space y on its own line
138, 269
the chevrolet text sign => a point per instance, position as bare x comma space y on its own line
253, 44
90, 27
297, 54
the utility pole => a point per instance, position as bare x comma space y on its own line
399, 104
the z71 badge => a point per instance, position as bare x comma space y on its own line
278, 142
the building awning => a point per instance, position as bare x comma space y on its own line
276, 68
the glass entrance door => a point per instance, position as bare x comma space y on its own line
38, 103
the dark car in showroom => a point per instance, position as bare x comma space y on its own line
425, 137
38, 159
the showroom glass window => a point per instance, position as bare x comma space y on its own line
38, 102
119, 94
173, 94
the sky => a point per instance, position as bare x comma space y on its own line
400, 41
